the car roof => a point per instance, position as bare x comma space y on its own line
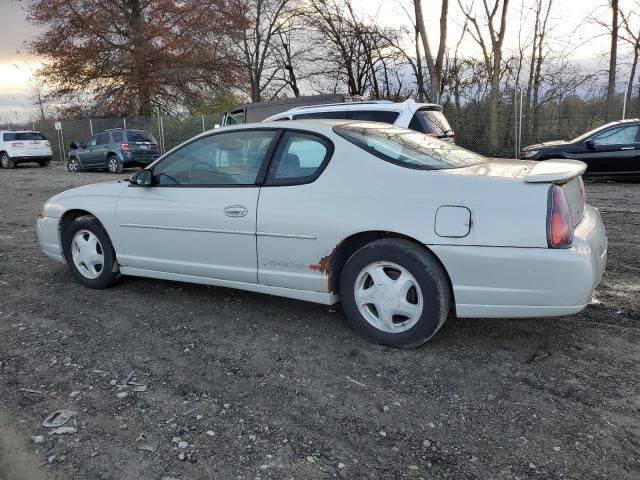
378, 105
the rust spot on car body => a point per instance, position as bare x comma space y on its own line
325, 265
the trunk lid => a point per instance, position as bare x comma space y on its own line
564, 173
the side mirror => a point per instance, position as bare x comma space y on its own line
142, 179
590, 144
74, 145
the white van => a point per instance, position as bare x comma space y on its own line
422, 117
24, 146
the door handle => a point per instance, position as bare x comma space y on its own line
236, 211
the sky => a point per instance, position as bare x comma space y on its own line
568, 19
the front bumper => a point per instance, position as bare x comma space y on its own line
49, 237
504, 282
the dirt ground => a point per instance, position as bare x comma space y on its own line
261, 387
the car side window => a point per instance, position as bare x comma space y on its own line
92, 141
232, 158
117, 137
374, 115
617, 136
336, 114
103, 139
299, 159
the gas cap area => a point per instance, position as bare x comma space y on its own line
453, 221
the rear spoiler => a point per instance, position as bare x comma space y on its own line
555, 171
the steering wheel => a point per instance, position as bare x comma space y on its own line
212, 174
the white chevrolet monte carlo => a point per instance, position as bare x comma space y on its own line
399, 227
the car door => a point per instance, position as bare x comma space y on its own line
84, 153
198, 218
613, 150
290, 244
99, 150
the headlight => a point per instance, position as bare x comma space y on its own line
530, 153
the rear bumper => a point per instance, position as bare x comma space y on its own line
503, 282
138, 159
31, 158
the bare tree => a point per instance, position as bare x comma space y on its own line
492, 51
542, 10
631, 36
265, 21
613, 54
435, 64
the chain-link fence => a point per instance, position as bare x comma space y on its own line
517, 125
168, 131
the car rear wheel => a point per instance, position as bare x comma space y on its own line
73, 165
6, 161
89, 253
395, 292
114, 164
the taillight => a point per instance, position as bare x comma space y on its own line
559, 222
124, 147
17, 144
583, 191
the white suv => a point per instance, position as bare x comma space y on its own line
422, 117
23, 146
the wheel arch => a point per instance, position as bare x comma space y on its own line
333, 263
70, 215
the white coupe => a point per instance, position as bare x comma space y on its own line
401, 228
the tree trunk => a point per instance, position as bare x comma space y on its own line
420, 74
613, 57
632, 76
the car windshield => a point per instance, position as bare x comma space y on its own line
139, 136
408, 148
590, 133
23, 136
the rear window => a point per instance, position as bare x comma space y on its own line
335, 115
431, 121
139, 136
11, 136
374, 116
117, 137
408, 148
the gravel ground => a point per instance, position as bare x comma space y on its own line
264, 387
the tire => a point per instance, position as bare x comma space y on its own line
114, 165
6, 161
44, 163
73, 165
401, 313
89, 253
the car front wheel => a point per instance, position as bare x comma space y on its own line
89, 253
73, 165
395, 292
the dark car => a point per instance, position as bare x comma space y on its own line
114, 150
613, 149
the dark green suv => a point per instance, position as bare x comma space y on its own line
113, 150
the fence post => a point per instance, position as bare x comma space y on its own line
64, 153
520, 126
515, 122
624, 101
202, 116
91, 127
124, 121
